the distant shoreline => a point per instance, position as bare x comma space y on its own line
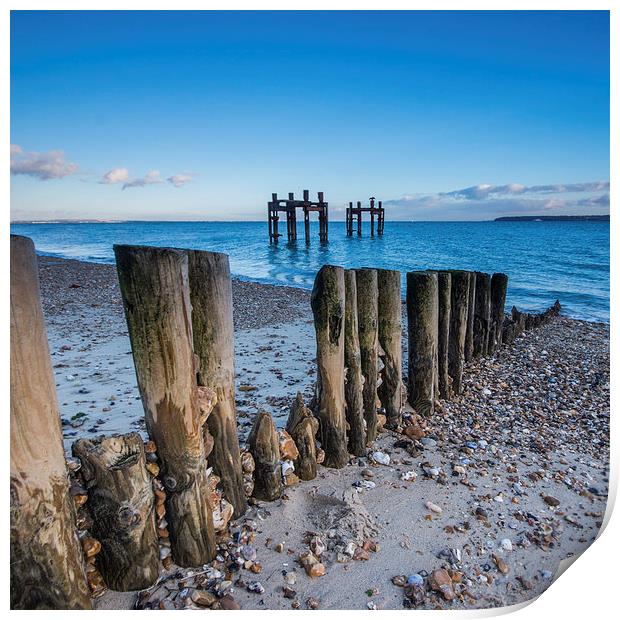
553, 218
507, 218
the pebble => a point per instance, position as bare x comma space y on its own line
506, 544
381, 457
415, 580
434, 507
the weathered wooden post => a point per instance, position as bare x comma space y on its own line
471, 311
155, 290
214, 338
263, 442
444, 288
458, 328
328, 307
499, 285
359, 219
482, 314
354, 384
122, 506
302, 427
422, 313
47, 565
367, 316
390, 340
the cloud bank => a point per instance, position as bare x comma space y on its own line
486, 201
42, 166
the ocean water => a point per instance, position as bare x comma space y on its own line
545, 261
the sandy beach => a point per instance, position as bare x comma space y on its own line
515, 469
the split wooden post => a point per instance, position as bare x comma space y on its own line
444, 289
155, 290
122, 506
422, 313
214, 338
499, 285
47, 565
390, 340
354, 384
265, 449
328, 306
458, 328
302, 426
482, 314
471, 311
367, 316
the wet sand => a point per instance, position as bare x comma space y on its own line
522, 456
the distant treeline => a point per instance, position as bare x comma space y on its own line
553, 218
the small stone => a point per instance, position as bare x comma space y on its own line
256, 586
153, 469
428, 442
551, 501
279, 548
502, 567
90, 546
289, 592
399, 580
433, 507
381, 457
441, 582
150, 447
409, 476
506, 544
164, 552
320, 456
203, 598
288, 448
317, 546
312, 603
290, 578
361, 555
228, 602
415, 580
414, 432
79, 500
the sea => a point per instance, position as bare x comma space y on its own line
544, 260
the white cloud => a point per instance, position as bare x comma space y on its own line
116, 175
179, 180
150, 178
42, 166
486, 201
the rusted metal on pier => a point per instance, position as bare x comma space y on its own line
357, 211
289, 206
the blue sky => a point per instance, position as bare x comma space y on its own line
201, 115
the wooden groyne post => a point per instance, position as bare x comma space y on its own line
499, 285
367, 316
155, 290
47, 565
328, 307
390, 340
213, 337
482, 314
444, 289
354, 383
422, 314
459, 306
121, 504
471, 311
263, 442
